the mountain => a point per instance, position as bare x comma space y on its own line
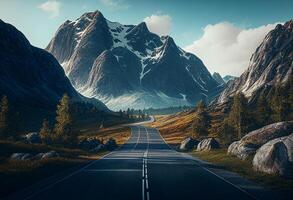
128, 66
271, 64
218, 78
228, 78
32, 77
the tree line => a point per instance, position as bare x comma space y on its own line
133, 114
61, 132
243, 117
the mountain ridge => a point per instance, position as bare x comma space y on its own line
270, 64
148, 64
31, 76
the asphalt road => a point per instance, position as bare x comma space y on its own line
143, 168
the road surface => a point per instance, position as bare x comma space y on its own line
143, 168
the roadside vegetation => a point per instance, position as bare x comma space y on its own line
73, 123
16, 175
230, 123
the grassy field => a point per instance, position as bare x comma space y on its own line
15, 175
243, 168
174, 128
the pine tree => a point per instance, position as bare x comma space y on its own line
239, 116
120, 113
202, 121
227, 132
263, 112
128, 113
289, 100
63, 126
46, 132
4, 117
277, 104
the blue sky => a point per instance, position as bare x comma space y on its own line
186, 20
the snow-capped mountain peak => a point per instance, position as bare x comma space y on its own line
109, 60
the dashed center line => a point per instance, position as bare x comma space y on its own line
145, 182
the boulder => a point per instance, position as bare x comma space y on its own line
249, 144
50, 154
110, 144
39, 156
21, 156
289, 144
208, 144
32, 138
242, 150
272, 158
89, 143
98, 148
261, 136
188, 144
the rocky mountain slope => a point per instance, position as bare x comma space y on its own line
228, 78
271, 64
30, 76
128, 66
218, 78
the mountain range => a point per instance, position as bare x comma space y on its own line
127, 66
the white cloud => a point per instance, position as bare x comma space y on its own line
115, 4
51, 7
227, 49
159, 24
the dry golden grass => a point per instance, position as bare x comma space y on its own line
174, 128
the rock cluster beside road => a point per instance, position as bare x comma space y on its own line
203, 145
29, 156
271, 147
249, 144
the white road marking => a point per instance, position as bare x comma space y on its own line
145, 181
111, 170
137, 141
148, 195
142, 189
237, 187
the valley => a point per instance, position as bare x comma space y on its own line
116, 104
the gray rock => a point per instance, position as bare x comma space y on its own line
289, 144
188, 144
21, 156
255, 139
98, 148
50, 154
39, 156
32, 138
242, 150
110, 144
208, 144
272, 158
